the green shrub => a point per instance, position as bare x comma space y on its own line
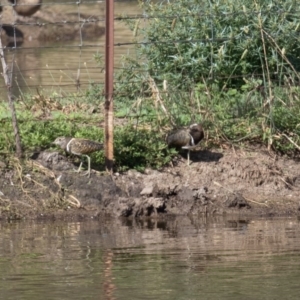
140, 148
231, 65
221, 42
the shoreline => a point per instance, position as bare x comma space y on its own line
245, 182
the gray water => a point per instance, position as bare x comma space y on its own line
53, 67
179, 259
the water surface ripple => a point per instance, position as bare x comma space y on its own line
180, 259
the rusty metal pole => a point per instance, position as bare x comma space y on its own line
109, 85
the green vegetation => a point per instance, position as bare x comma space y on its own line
220, 42
43, 119
231, 65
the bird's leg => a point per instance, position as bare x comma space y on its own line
192, 143
188, 154
88, 172
78, 170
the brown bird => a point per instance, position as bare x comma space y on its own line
187, 138
26, 7
78, 146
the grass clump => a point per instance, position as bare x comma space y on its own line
222, 42
135, 146
232, 66
139, 148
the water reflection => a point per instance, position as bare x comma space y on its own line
176, 259
68, 65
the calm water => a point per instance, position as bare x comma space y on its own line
53, 67
178, 259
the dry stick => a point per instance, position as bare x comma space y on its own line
268, 74
284, 181
23, 203
281, 53
76, 203
290, 140
266, 60
4, 200
156, 94
43, 169
7, 80
220, 185
51, 174
20, 172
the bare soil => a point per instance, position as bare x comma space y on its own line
248, 181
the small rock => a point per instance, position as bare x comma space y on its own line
199, 193
148, 190
134, 173
147, 171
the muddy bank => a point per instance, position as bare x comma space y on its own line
244, 182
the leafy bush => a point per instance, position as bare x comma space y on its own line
229, 64
140, 148
134, 147
188, 41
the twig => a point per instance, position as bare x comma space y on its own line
290, 140
23, 203
76, 203
281, 53
227, 189
156, 94
266, 61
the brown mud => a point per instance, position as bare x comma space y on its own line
247, 182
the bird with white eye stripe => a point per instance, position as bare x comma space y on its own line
80, 147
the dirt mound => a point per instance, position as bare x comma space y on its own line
249, 182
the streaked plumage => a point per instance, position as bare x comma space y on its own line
186, 138
79, 146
